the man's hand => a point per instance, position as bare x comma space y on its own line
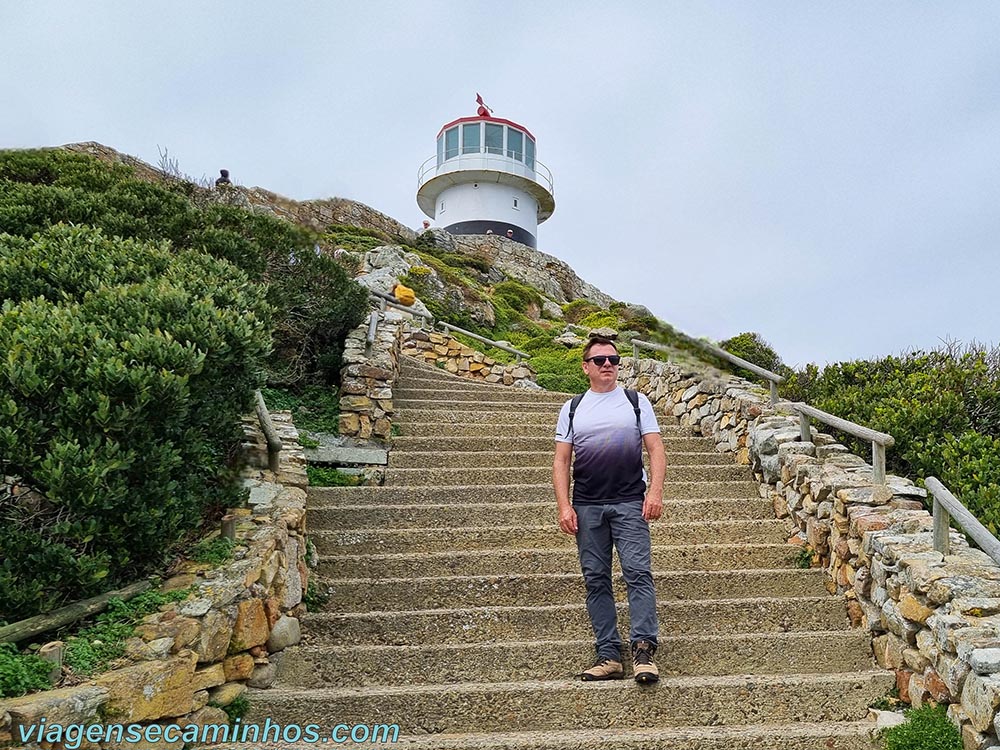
567, 520
652, 507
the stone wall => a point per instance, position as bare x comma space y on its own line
457, 358
716, 405
368, 377
551, 276
935, 620
196, 655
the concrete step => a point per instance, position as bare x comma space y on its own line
364, 594
381, 540
500, 562
452, 384
471, 416
537, 475
511, 513
508, 428
558, 704
315, 666
849, 735
693, 617
521, 458
485, 403
401, 444
476, 393
416, 495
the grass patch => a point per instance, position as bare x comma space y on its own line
314, 407
308, 442
214, 551
926, 728
94, 648
325, 476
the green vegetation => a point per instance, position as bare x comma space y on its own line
325, 476
307, 442
803, 558
95, 647
926, 728
316, 596
213, 551
356, 239
754, 349
237, 709
890, 702
942, 407
314, 407
137, 319
21, 673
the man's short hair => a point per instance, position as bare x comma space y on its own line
596, 341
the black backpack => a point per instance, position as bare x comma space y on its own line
632, 396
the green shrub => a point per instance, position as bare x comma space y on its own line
939, 406
315, 301
21, 673
517, 295
926, 728
754, 349
578, 309
126, 369
356, 239
561, 371
601, 319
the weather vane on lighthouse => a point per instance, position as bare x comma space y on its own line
483, 110
485, 179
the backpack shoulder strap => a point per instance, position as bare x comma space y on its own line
575, 402
633, 397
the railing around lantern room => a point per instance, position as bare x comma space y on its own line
484, 159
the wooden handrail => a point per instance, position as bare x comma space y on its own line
947, 507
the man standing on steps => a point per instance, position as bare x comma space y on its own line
606, 428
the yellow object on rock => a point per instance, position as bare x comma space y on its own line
404, 295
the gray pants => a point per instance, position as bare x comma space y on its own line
619, 524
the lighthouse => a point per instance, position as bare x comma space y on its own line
486, 179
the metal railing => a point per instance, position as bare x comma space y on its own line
270, 434
387, 300
496, 344
537, 173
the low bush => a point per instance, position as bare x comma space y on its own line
754, 349
926, 728
21, 673
127, 367
325, 476
941, 407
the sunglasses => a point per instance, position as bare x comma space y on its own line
600, 359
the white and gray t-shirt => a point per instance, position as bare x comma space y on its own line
607, 444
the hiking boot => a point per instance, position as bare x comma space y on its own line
604, 669
642, 658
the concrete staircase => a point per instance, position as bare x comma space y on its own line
457, 607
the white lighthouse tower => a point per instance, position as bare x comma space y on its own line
485, 178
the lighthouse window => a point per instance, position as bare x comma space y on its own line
494, 139
529, 153
440, 150
451, 143
470, 138
515, 144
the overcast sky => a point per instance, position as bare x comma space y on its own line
827, 174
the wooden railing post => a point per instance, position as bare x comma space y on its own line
878, 463
805, 434
942, 520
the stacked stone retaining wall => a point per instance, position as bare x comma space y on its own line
188, 661
368, 376
935, 620
455, 357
